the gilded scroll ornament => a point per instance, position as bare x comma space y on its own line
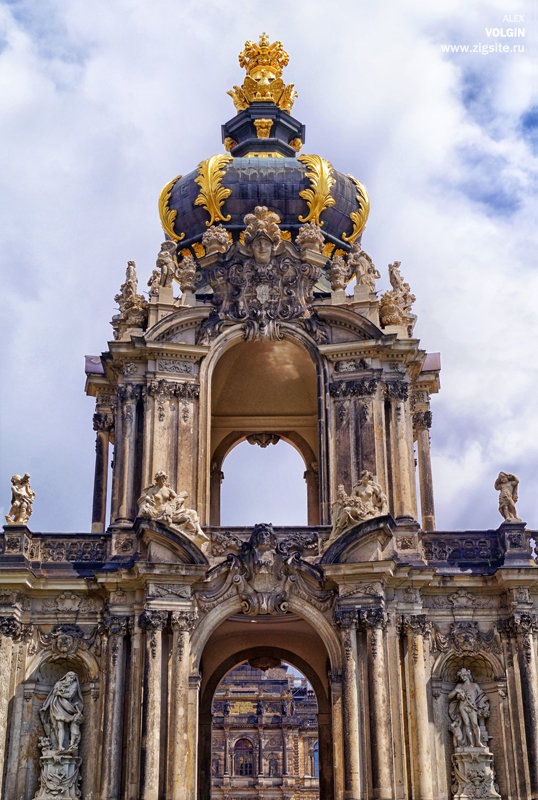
263, 127
212, 193
168, 215
358, 218
318, 197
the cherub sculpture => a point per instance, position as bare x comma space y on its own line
61, 715
22, 498
507, 484
366, 501
160, 502
165, 263
362, 265
468, 708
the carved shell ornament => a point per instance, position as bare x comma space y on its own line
168, 215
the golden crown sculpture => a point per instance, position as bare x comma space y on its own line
263, 82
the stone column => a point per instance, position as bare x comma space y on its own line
346, 618
404, 495
114, 708
260, 750
216, 478
422, 421
125, 453
226, 749
133, 715
191, 776
311, 477
374, 621
284, 750
182, 622
6, 647
152, 622
414, 628
103, 424
523, 626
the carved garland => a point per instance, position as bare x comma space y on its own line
318, 197
360, 217
212, 193
167, 215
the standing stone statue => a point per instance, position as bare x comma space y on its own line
506, 484
363, 267
472, 762
22, 498
61, 716
165, 263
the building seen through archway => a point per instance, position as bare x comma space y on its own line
264, 734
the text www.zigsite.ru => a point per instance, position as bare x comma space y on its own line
497, 42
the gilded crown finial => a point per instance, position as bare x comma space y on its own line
263, 82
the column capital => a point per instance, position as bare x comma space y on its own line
372, 618
519, 624
346, 617
396, 390
415, 625
183, 620
9, 626
152, 619
422, 420
117, 625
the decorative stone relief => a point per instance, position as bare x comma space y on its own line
216, 240
263, 439
367, 500
22, 498
472, 762
465, 637
66, 639
263, 575
169, 590
339, 274
224, 542
174, 365
261, 283
351, 365
160, 502
69, 602
310, 237
459, 599
507, 484
186, 274
356, 388
74, 550
61, 716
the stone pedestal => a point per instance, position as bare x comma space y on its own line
473, 775
60, 776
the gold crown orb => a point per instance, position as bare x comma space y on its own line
263, 82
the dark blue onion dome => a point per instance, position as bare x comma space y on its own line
262, 168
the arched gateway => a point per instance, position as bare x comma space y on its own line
421, 646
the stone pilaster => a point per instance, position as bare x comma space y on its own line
124, 494
374, 622
415, 628
346, 618
422, 421
397, 393
523, 627
118, 627
133, 713
5, 679
152, 622
182, 622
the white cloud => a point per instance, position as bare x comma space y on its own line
102, 103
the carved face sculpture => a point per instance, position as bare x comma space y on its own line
262, 249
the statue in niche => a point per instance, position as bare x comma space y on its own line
362, 265
61, 716
472, 761
165, 263
160, 502
506, 484
366, 501
22, 498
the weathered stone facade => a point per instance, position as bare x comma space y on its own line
158, 602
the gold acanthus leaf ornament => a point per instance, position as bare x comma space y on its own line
358, 218
212, 193
168, 215
318, 197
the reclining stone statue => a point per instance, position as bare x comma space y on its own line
161, 503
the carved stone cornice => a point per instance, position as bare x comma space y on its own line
422, 420
396, 390
354, 388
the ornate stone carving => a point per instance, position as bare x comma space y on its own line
224, 542
61, 717
422, 420
260, 283
160, 502
463, 548
472, 763
264, 574
507, 484
310, 237
165, 263
363, 267
373, 618
356, 388
74, 550
154, 282
186, 274
397, 390
174, 365
133, 307
66, 639
183, 620
22, 498
351, 365
263, 439
465, 638
395, 305
367, 500
216, 239
459, 599
339, 273
170, 590
9, 626
346, 617
152, 622
68, 602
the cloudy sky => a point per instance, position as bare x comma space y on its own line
102, 103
